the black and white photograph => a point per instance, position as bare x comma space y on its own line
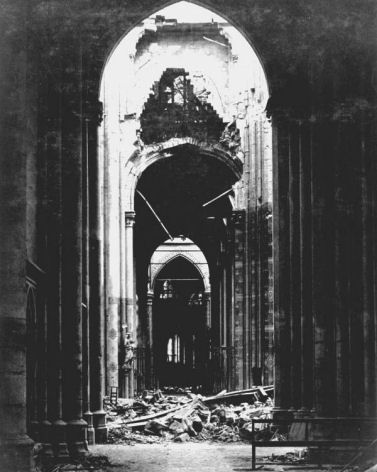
188, 224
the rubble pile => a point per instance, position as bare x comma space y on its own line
295, 457
155, 417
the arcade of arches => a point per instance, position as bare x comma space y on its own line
175, 203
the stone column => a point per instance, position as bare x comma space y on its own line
32, 423
72, 248
229, 311
130, 289
45, 424
96, 301
323, 269
112, 237
122, 283
87, 415
207, 338
222, 302
238, 220
53, 280
16, 123
294, 266
305, 166
281, 247
368, 195
207, 305
252, 179
150, 367
44, 209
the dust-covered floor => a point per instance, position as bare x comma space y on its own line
188, 457
198, 457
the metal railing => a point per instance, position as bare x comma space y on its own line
314, 433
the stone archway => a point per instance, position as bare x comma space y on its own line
140, 160
178, 317
324, 169
244, 148
195, 256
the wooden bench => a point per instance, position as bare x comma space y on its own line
328, 435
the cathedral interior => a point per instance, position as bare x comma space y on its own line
188, 198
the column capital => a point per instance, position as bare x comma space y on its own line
129, 218
150, 297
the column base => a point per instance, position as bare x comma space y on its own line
76, 438
88, 417
100, 428
17, 454
59, 440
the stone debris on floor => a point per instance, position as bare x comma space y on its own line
155, 417
196, 456
89, 463
298, 456
177, 418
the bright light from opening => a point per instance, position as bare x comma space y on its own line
130, 72
185, 12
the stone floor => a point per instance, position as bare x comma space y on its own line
195, 457
191, 457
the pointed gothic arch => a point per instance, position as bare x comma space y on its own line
195, 256
244, 145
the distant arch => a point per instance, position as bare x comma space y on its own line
195, 256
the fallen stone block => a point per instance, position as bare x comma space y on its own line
155, 427
182, 438
177, 427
